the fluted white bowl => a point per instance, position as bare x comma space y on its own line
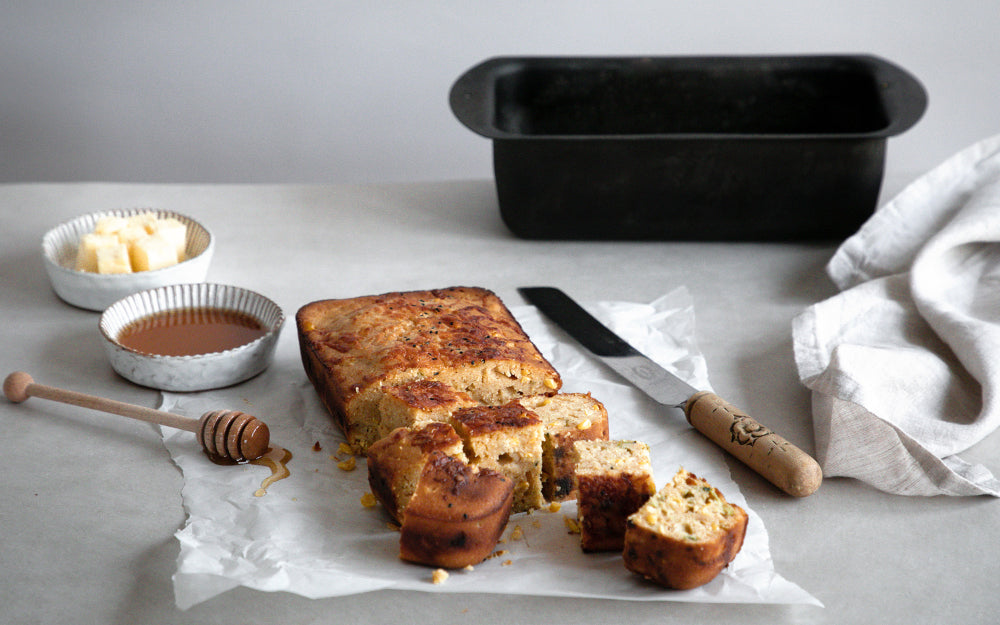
95, 291
199, 372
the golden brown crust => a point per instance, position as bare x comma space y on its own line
483, 420
427, 395
417, 403
685, 535
462, 336
456, 515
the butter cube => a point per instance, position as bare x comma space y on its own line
90, 243
132, 232
109, 225
174, 231
113, 259
152, 252
146, 221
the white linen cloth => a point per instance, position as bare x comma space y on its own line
904, 363
310, 535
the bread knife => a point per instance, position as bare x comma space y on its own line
779, 461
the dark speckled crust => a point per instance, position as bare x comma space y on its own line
456, 515
349, 346
604, 503
681, 564
481, 420
427, 395
395, 462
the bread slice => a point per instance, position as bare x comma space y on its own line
506, 439
613, 480
418, 403
396, 462
456, 515
462, 336
685, 534
566, 418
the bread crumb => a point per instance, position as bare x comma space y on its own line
368, 500
439, 576
517, 533
317, 446
468, 567
344, 448
572, 525
555, 506
506, 563
348, 465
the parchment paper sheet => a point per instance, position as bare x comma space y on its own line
310, 535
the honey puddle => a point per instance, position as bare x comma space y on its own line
275, 459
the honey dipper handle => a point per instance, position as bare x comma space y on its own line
19, 386
780, 462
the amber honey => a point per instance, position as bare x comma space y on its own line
191, 331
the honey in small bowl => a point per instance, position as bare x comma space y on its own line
191, 331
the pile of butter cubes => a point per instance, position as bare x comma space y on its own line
141, 242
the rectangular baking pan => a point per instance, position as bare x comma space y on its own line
688, 148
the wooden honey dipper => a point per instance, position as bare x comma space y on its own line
226, 435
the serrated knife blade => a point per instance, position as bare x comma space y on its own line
779, 461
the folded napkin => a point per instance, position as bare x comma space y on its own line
904, 363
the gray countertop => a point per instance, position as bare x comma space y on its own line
91, 502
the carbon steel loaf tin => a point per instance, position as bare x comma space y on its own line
688, 148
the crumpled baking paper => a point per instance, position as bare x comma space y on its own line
309, 533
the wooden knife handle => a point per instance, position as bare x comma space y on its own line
780, 462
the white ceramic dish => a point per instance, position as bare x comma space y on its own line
95, 291
191, 373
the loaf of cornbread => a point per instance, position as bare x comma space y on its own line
613, 480
396, 462
456, 514
566, 418
352, 349
685, 534
508, 440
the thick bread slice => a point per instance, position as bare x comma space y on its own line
566, 418
613, 479
456, 514
396, 462
508, 440
417, 403
462, 336
685, 534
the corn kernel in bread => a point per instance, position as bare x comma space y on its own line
456, 515
418, 403
396, 461
462, 336
507, 439
566, 418
685, 534
613, 480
